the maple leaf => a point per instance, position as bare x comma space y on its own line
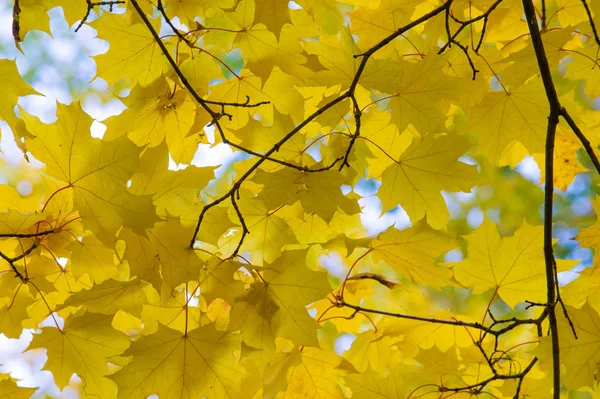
14, 311
316, 374
96, 171
179, 262
85, 345
13, 86
10, 390
171, 364
274, 231
371, 385
580, 353
318, 192
412, 252
510, 265
415, 179
565, 154
285, 288
153, 112
175, 193
132, 54
274, 14
110, 296
507, 116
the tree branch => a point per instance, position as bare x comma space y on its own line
26, 235
349, 94
12, 261
591, 21
555, 111
91, 5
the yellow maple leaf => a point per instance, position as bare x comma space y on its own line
512, 266
590, 236
90, 256
280, 296
272, 233
96, 172
175, 193
318, 192
580, 355
274, 14
317, 375
13, 310
502, 117
412, 251
156, 113
426, 167
132, 49
110, 296
199, 363
565, 155
85, 345
10, 390
13, 86
179, 263
142, 258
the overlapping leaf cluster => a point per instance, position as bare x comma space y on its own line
186, 284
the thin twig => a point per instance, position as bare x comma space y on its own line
26, 235
586, 143
376, 277
91, 5
357, 122
457, 323
16, 23
12, 261
591, 21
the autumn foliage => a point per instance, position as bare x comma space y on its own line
190, 282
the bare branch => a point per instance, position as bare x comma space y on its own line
555, 111
12, 261
586, 143
16, 23
591, 21
374, 276
27, 235
91, 5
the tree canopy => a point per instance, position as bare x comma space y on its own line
143, 269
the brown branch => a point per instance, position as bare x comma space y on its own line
357, 122
374, 276
91, 5
591, 21
464, 24
26, 235
543, 16
349, 94
160, 8
555, 111
476, 389
465, 50
340, 303
586, 143
262, 159
12, 261
245, 230
522, 377
16, 23
245, 104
